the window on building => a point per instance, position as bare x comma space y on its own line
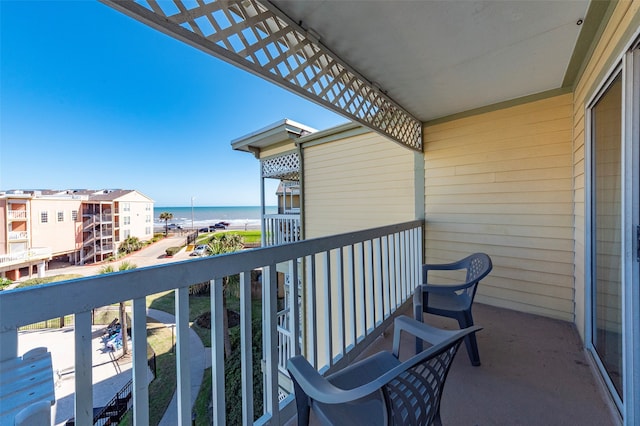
44, 217
127, 233
147, 219
126, 220
147, 230
74, 215
60, 216
126, 207
147, 207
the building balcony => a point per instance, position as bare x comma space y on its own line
18, 235
282, 229
340, 294
20, 215
22, 257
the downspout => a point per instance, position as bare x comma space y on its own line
301, 178
419, 192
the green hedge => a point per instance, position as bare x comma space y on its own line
172, 250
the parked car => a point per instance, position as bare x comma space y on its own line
201, 250
220, 225
173, 226
203, 230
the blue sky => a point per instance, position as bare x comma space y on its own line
90, 98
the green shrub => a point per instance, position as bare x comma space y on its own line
172, 250
130, 245
107, 269
126, 266
46, 280
233, 378
4, 282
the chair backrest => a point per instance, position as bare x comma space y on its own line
478, 266
413, 397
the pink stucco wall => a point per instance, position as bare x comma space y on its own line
62, 236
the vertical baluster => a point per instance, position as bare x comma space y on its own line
396, 268
217, 353
270, 339
328, 321
140, 365
369, 286
351, 288
312, 328
403, 266
420, 258
377, 282
183, 367
246, 348
386, 281
294, 308
341, 303
361, 287
83, 373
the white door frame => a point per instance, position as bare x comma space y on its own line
629, 68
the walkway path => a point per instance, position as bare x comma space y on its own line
200, 359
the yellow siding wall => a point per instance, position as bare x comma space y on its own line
604, 55
357, 183
501, 183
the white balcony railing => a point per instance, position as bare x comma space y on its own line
18, 235
282, 229
352, 285
17, 215
25, 256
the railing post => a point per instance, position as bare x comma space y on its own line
140, 364
328, 320
270, 339
83, 362
183, 389
217, 353
246, 348
294, 309
8, 344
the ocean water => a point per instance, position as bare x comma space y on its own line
205, 216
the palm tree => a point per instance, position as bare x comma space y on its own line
225, 243
166, 216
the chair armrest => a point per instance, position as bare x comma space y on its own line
430, 334
444, 266
318, 388
444, 288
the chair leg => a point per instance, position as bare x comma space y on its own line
417, 314
465, 319
302, 404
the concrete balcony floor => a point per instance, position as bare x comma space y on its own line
534, 372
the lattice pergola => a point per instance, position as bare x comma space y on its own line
258, 37
285, 167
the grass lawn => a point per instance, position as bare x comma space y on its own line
247, 236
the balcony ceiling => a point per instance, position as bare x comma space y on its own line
437, 58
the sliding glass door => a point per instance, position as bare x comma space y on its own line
606, 232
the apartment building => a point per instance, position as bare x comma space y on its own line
81, 226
